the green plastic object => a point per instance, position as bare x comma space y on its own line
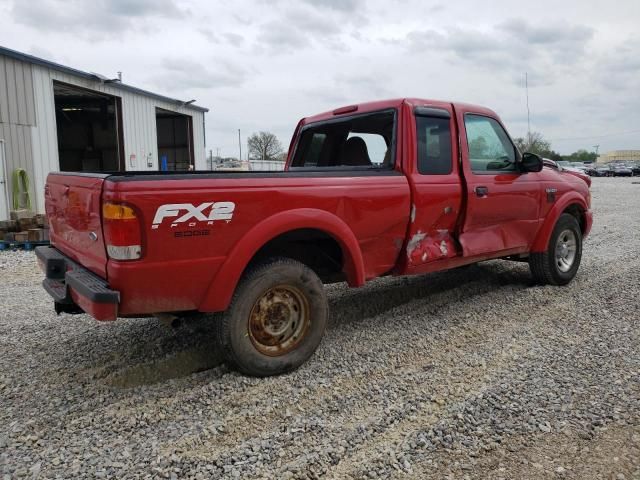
21, 187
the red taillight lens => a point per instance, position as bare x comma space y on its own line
122, 234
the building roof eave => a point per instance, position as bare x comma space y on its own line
96, 78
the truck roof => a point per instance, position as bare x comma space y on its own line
393, 103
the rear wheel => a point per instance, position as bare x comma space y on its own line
559, 264
276, 319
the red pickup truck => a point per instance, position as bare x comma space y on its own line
398, 187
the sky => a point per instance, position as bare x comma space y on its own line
263, 65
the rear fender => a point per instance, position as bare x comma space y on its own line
570, 198
224, 284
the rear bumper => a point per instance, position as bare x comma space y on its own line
75, 288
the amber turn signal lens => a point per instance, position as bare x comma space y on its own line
122, 233
114, 211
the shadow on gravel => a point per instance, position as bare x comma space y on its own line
386, 294
174, 366
140, 352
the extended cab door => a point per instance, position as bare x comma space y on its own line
436, 190
502, 212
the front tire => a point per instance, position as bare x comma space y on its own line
559, 264
276, 319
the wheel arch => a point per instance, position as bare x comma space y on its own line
572, 203
252, 245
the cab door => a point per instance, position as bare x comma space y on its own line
436, 188
502, 203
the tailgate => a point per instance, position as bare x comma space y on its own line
73, 204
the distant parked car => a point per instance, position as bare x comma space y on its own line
621, 170
602, 171
569, 167
635, 168
582, 167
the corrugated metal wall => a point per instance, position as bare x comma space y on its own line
17, 116
138, 122
28, 122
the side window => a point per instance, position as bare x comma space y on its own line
489, 146
434, 145
359, 141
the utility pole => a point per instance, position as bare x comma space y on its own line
239, 145
597, 147
526, 87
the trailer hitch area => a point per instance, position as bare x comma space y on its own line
70, 308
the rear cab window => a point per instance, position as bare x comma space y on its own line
433, 132
365, 141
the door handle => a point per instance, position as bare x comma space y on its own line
482, 191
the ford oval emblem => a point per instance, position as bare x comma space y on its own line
93, 236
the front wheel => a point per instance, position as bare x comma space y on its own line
559, 264
276, 319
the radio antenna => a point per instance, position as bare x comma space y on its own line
526, 87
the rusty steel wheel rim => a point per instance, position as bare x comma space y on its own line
279, 320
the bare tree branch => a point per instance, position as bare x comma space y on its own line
264, 146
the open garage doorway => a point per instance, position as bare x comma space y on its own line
89, 130
175, 140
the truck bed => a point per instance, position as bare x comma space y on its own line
371, 206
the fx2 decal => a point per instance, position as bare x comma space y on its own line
190, 214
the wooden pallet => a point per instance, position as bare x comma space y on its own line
21, 245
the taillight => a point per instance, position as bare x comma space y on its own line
122, 234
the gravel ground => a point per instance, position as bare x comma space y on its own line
472, 373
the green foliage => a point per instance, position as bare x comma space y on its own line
581, 156
478, 148
553, 155
536, 143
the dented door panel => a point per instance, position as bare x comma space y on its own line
436, 192
502, 207
508, 216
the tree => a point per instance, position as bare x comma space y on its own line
264, 146
534, 143
582, 156
553, 155
478, 148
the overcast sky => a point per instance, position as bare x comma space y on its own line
262, 65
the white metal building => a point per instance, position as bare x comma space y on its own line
57, 118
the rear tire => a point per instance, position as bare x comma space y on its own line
276, 319
559, 264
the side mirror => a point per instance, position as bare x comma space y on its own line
531, 162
